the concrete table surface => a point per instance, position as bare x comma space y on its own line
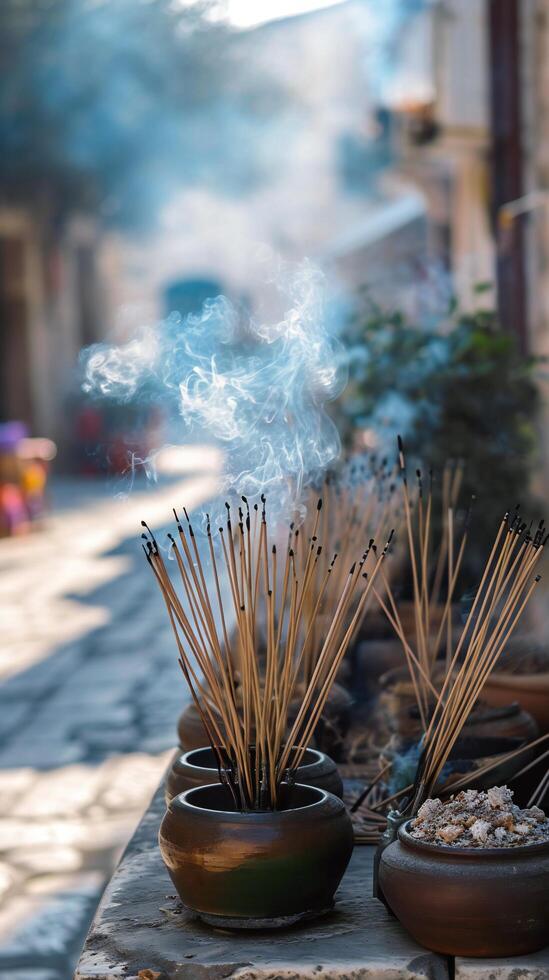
140, 926
141, 932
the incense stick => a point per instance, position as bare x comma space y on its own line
244, 704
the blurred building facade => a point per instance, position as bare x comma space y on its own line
369, 180
51, 304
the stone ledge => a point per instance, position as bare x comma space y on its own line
535, 966
141, 927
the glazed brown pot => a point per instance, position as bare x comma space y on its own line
190, 729
468, 901
336, 716
199, 768
530, 690
474, 752
262, 869
398, 701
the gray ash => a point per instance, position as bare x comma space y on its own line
480, 820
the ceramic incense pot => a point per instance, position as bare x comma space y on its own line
470, 753
530, 690
468, 901
336, 718
256, 869
199, 768
190, 728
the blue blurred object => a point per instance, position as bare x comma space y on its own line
186, 296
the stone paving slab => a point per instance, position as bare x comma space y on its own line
532, 967
141, 927
82, 745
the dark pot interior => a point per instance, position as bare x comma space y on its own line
483, 747
199, 768
219, 799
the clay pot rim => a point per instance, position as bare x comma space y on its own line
478, 853
517, 678
183, 760
182, 802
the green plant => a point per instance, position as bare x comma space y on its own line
458, 390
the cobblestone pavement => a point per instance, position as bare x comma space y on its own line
89, 694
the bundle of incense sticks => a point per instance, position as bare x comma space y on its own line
432, 564
359, 503
506, 586
245, 710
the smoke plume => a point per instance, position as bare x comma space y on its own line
257, 388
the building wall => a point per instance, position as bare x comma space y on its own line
50, 304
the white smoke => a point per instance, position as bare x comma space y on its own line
257, 389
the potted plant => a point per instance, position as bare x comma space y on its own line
462, 386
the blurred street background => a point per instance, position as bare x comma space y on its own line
153, 156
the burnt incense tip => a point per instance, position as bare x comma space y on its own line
319, 504
245, 499
274, 549
185, 513
256, 506
291, 552
144, 524
352, 568
228, 506
319, 550
175, 514
399, 443
538, 578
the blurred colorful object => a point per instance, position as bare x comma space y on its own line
23, 477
